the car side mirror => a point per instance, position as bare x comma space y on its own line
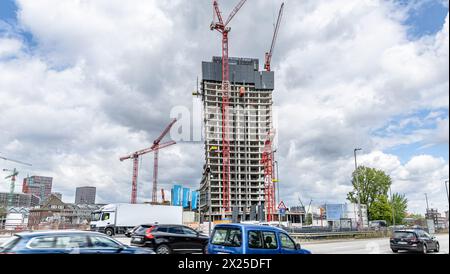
298, 246
120, 249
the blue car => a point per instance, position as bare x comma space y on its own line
252, 239
67, 242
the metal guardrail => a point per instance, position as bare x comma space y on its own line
327, 235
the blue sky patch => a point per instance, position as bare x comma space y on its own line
426, 18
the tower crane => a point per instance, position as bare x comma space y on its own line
267, 161
16, 161
135, 156
222, 27
274, 39
12, 176
163, 196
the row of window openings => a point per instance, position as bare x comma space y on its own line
254, 103
248, 94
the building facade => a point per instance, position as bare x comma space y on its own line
85, 195
57, 194
39, 186
439, 221
250, 119
55, 214
19, 200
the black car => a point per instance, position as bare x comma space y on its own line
130, 232
413, 240
67, 242
168, 239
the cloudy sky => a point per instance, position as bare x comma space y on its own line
85, 82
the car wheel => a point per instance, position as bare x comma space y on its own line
424, 249
163, 249
109, 232
437, 248
395, 250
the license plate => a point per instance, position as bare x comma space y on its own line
402, 243
138, 240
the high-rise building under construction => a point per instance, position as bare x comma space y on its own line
249, 121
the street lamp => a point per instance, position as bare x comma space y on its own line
448, 201
358, 190
209, 199
392, 204
446, 188
277, 180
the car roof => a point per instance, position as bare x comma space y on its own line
409, 230
251, 226
159, 225
56, 232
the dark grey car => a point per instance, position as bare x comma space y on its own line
413, 240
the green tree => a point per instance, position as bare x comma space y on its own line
308, 220
399, 205
373, 185
380, 209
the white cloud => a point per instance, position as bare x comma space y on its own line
9, 47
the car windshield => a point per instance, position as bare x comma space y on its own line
404, 235
227, 237
9, 243
96, 216
141, 229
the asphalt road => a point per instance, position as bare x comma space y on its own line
363, 246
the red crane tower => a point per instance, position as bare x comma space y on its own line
163, 196
274, 39
223, 28
135, 156
267, 161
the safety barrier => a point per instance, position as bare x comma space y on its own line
338, 235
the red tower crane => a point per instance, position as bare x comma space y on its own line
135, 156
274, 39
163, 196
267, 161
223, 28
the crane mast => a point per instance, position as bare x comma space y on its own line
12, 176
221, 27
135, 157
267, 161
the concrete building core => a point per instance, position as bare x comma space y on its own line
250, 119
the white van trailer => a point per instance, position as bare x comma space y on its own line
118, 218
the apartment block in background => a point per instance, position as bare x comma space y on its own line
39, 186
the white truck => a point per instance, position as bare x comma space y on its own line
118, 218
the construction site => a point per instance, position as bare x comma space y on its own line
238, 178
238, 175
